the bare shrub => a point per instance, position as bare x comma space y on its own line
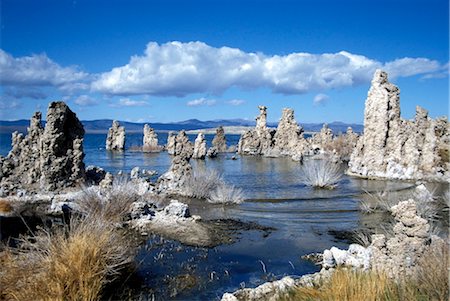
202, 183
113, 204
68, 263
226, 194
378, 201
321, 173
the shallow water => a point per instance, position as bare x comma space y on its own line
304, 219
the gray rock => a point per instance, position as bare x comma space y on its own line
392, 147
171, 141
135, 173
219, 140
175, 208
199, 147
48, 159
260, 140
150, 140
115, 140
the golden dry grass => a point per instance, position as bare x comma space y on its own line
71, 263
5, 206
430, 282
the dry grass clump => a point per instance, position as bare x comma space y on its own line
226, 194
209, 185
380, 201
201, 183
321, 173
113, 204
347, 285
429, 282
5, 206
69, 263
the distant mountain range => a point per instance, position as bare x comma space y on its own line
102, 125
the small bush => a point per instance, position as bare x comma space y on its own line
113, 204
226, 194
201, 183
321, 173
68, 263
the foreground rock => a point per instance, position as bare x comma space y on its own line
115, 141
397, 256
150, 140
49, 158
392, 147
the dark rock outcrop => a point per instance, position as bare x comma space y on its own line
49, 158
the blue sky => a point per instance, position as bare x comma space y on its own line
161, 61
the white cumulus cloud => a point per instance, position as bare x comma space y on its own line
180, 69
320, 98
39, 71
201, 102
127, 102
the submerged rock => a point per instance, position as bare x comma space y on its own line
115, 140
49, 158
199, 147
392, 147
219, 140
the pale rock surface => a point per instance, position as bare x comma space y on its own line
150, 140
171, 142
199, 147
115, 141
288, 135
107, 181
258, 141
177, 208
180, 170
219, 140
397, 255
269, 291
320, 141
48, 159
395, 148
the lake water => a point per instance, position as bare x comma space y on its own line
304, 219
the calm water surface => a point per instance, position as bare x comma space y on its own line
302, 217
